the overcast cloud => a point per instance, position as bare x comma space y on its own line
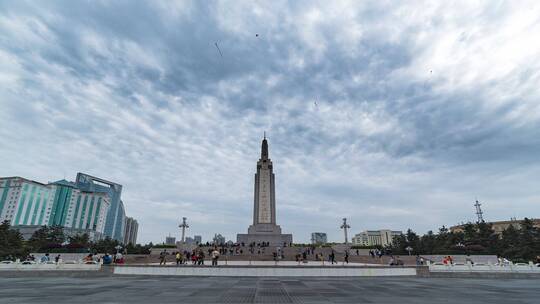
392, 116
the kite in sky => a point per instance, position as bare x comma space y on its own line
217, 46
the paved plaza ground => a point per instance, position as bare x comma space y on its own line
265, 290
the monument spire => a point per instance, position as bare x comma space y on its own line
264, 148
264, 228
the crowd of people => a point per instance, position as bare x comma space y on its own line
196, 256
106, 258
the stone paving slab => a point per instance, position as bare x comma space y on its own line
134, 290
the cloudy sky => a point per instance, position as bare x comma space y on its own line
392, 116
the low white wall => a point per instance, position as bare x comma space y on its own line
63, 256
48, 267
265, 271
512, 268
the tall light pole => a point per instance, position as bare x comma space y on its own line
479, 212
184, 225
409, 249
345, 226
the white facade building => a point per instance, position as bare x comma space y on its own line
375, 237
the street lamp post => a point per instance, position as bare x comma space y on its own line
184, 225
345, 226
409, 249
461, 246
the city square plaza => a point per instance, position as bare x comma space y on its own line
275, 272
143, 289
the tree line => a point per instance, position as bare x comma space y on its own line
519, 245
52, 239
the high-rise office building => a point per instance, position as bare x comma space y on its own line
114, 225
28, 205
89, 205
131, 228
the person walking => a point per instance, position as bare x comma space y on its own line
346, 256
179, 258
215, 257
163, 257
194, 258
332, 257
419, 260
201, 258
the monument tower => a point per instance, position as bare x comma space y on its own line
264, 227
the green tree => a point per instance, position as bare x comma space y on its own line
401, 242
509, 243
106, 245
427, 243
47, 238
138, 248
56, 235
39, 240
11, 243
529, 240
82, 240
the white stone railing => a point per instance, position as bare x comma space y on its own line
32, 266
260, 271
506, 268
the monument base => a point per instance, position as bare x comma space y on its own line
280, 240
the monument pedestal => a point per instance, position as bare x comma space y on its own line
269, 233
273, 239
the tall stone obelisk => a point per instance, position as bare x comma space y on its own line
264, 227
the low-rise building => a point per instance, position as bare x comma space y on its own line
170, 240
382, 237
318, 238
218, 239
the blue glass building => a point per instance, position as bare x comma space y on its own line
116, 216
